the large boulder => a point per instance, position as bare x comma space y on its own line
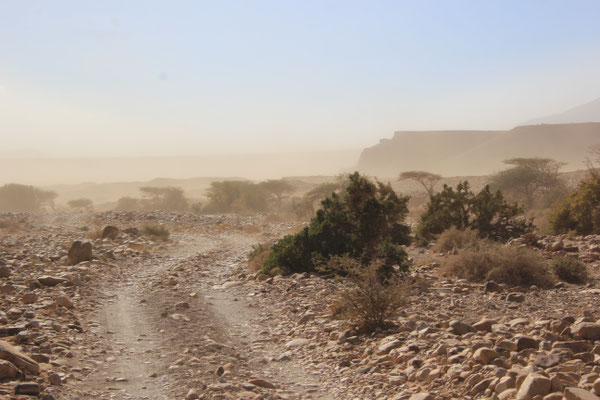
14, 356
532, 386
587, 330
573, 393
80, 252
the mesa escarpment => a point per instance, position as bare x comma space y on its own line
478, 152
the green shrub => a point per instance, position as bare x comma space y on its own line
570, 270
580, 212
364, 221
156, 232
486, 213
510, 265
455, 238
371, 301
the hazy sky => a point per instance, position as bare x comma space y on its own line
114, 78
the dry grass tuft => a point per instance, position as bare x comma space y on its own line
372, 300
510, 265
156, 232
454, 238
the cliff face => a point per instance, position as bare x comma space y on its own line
478, 152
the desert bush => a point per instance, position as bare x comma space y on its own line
23, 198
365, 221
570, 270
580, 211
81, 204
486, 213
156, 232
128, 204
165, 198
455, 238
510, 265
372, 300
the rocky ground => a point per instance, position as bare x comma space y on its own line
186, 319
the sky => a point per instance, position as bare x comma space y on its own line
152, 78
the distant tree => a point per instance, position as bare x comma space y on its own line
166, 198
427, 179
81, 204
530, 180
277, 188
486, 212
23, 198
128, 204
235, 196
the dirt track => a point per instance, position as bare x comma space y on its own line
169, 325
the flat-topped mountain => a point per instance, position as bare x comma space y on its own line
478, 152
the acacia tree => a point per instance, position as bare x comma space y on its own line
23, 198
427, 179
277, 188
166, 198
529, 179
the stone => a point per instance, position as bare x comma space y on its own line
596, 386
55, 379
460, 328
110, 232
80, 252
527, 342
484, 324
263, 383
587, 330
132, 231
505, 383
485, 355
532, 386
64, 301
515, 297
547, 361
388, 346
8, 370
492, 287
572, 393
22, 361
28, 388
192, 395
422, 396
46, 280
29, 298
298, 342
5, 272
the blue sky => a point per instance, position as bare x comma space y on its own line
191, 77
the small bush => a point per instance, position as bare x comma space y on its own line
257, 256
454, 238
570, 270
372, 300
486, 212
156, 232
580, 211
510, 265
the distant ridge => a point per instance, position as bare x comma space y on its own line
457, 153
588, 112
